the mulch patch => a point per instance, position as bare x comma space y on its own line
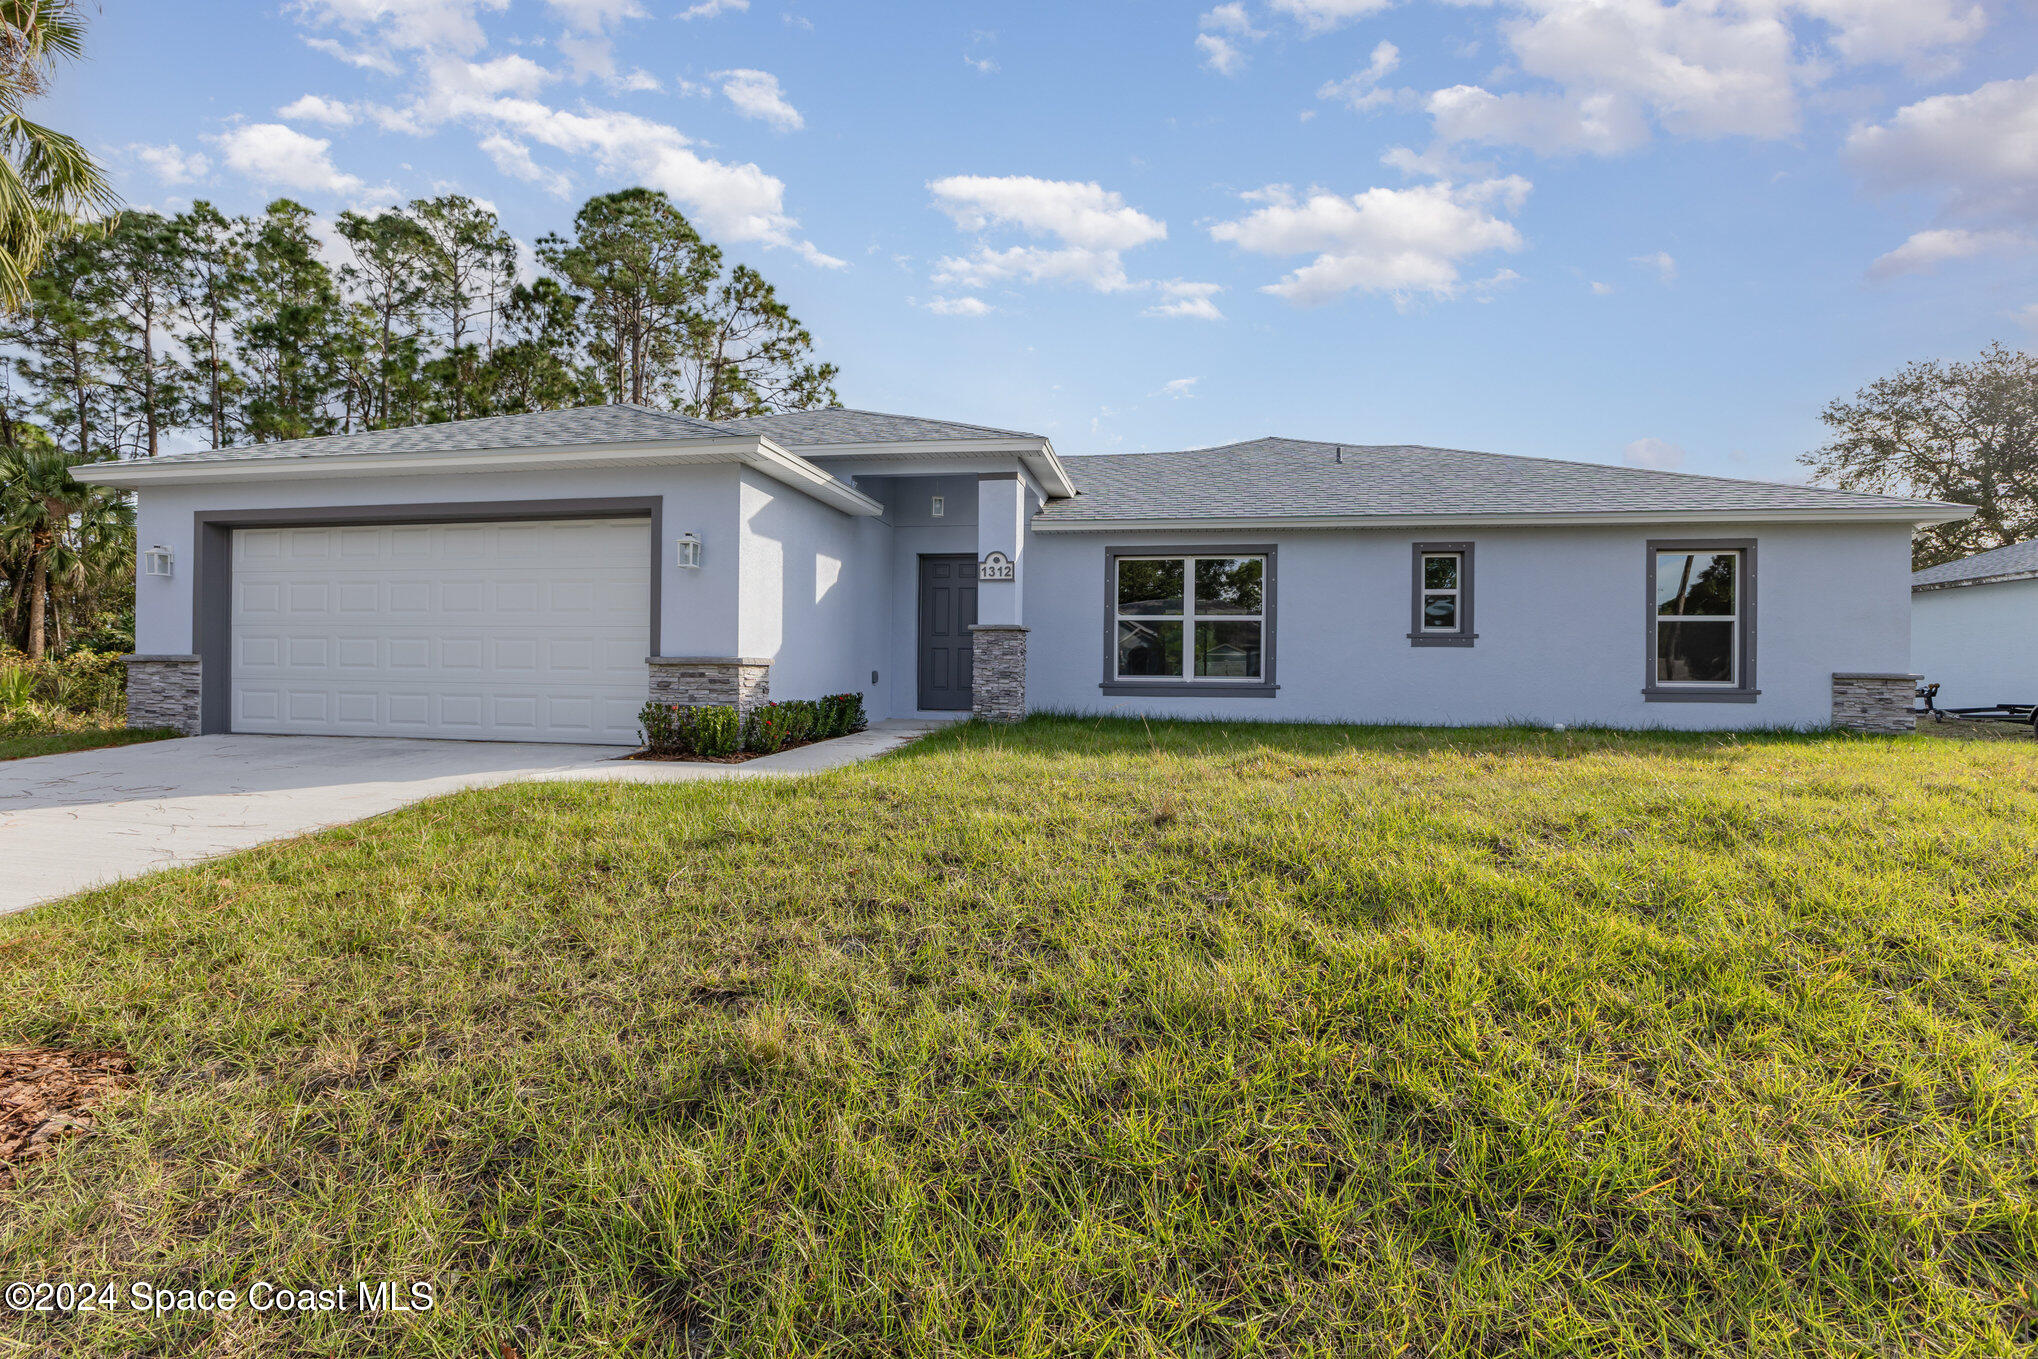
44, 1093
738, 758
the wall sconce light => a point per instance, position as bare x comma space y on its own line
689, 551
940, 507
156, 561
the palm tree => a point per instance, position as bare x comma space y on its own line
47, 181
39, 501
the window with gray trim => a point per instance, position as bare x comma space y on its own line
1701, 643
1178, 618
1440, 595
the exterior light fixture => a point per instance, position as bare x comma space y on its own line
156, 561
940, 508
689, 551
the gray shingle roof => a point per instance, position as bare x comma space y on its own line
615, 423
1298, 479
2015, 560
839, 425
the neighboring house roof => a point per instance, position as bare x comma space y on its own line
2018, 561
611, 424
1300, 482
839, 425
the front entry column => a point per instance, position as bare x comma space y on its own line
998, 691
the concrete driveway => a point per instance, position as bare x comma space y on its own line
68, 822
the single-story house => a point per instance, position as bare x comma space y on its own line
535, 577
1974, 627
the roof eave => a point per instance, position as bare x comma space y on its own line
746, 450
1892, 515
1038, 455
1997, 578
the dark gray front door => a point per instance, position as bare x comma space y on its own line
948, 607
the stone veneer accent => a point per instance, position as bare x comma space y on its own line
998, 672
738, 682
1879, 703
162, 691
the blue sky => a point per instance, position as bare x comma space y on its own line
1610, 230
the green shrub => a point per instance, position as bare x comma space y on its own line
699, 729
82, 684
841, 714
767, 729
717, 730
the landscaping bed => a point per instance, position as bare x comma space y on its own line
718, 734
1085, 1037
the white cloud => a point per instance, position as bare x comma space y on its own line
438, 25
169, 163
1657, 454
1092, 225
1897, 30
1179, 388
756, 94
1183, 298
2028, 315
1601, 289
1362, 89
708, 9
1082, 214
959, 306
277, 157
1979, 148
1221, 55
1321, 16
1927, 250
316, 108
1229, 17
514, 159
591, 16
1617, 69
366, 59
981, 65
1551, 124
1661, 261
1403, 242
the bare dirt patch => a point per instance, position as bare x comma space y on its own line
45, 1094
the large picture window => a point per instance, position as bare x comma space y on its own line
1181, 618
1701, 610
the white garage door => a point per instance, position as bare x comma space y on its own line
486, 632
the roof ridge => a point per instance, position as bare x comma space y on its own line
896, 415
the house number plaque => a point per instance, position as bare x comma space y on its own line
997, 566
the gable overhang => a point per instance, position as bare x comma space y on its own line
755, 452
1036, 455
1908, 515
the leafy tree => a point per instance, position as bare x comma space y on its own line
134, 291
39, 500
747, 355
534, 366
63, 336
292, 315
391, 277
469, 263
1964, 432
47, 181
641, 272
210, 286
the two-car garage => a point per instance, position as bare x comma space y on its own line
532, 630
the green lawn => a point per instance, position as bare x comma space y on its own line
1087, 1039
18, 744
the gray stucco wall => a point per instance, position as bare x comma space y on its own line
1978, 643
813, 595
1561, 626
